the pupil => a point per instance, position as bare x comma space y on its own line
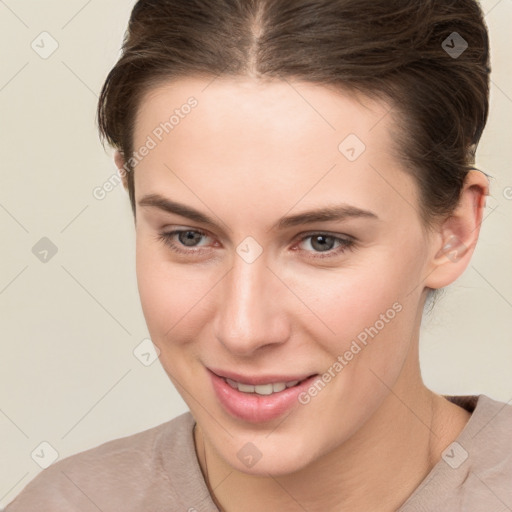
323, 246
189, 237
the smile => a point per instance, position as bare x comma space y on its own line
262, 389
258, 398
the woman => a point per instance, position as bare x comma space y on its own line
302, 179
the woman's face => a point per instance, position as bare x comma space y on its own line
256, 291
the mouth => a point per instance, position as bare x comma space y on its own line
257, 399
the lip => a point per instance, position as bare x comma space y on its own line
255, 408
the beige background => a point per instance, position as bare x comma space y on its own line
69, 326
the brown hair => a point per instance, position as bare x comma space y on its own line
403, 51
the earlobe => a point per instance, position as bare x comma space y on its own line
121, 165
458, 234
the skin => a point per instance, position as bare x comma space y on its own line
248, 154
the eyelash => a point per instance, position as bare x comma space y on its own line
167, 240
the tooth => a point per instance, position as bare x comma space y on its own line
278, 387
265, 389
232, 383
262, 389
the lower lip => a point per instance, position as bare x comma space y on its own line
256, 408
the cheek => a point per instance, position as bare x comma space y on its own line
370, 313
389, 331
173, 296
350, 299
161, 291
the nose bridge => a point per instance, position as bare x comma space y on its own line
249, 315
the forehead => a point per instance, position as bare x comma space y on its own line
299, 108
255, 136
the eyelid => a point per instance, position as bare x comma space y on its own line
342, 236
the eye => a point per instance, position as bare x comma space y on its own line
185, 241
323, 244
185, 238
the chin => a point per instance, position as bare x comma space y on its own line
277, 464
279, 457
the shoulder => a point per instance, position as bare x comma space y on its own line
488, 437
483, 457
484, 447
115, 473
488, 434
475, 470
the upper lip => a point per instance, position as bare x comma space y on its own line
256, 380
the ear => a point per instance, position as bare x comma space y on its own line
122, 167
456, 238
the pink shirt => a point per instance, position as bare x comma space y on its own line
157, 471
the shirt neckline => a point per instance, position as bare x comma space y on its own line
472, 403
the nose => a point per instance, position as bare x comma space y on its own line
251, 313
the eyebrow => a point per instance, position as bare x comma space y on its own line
330, 213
